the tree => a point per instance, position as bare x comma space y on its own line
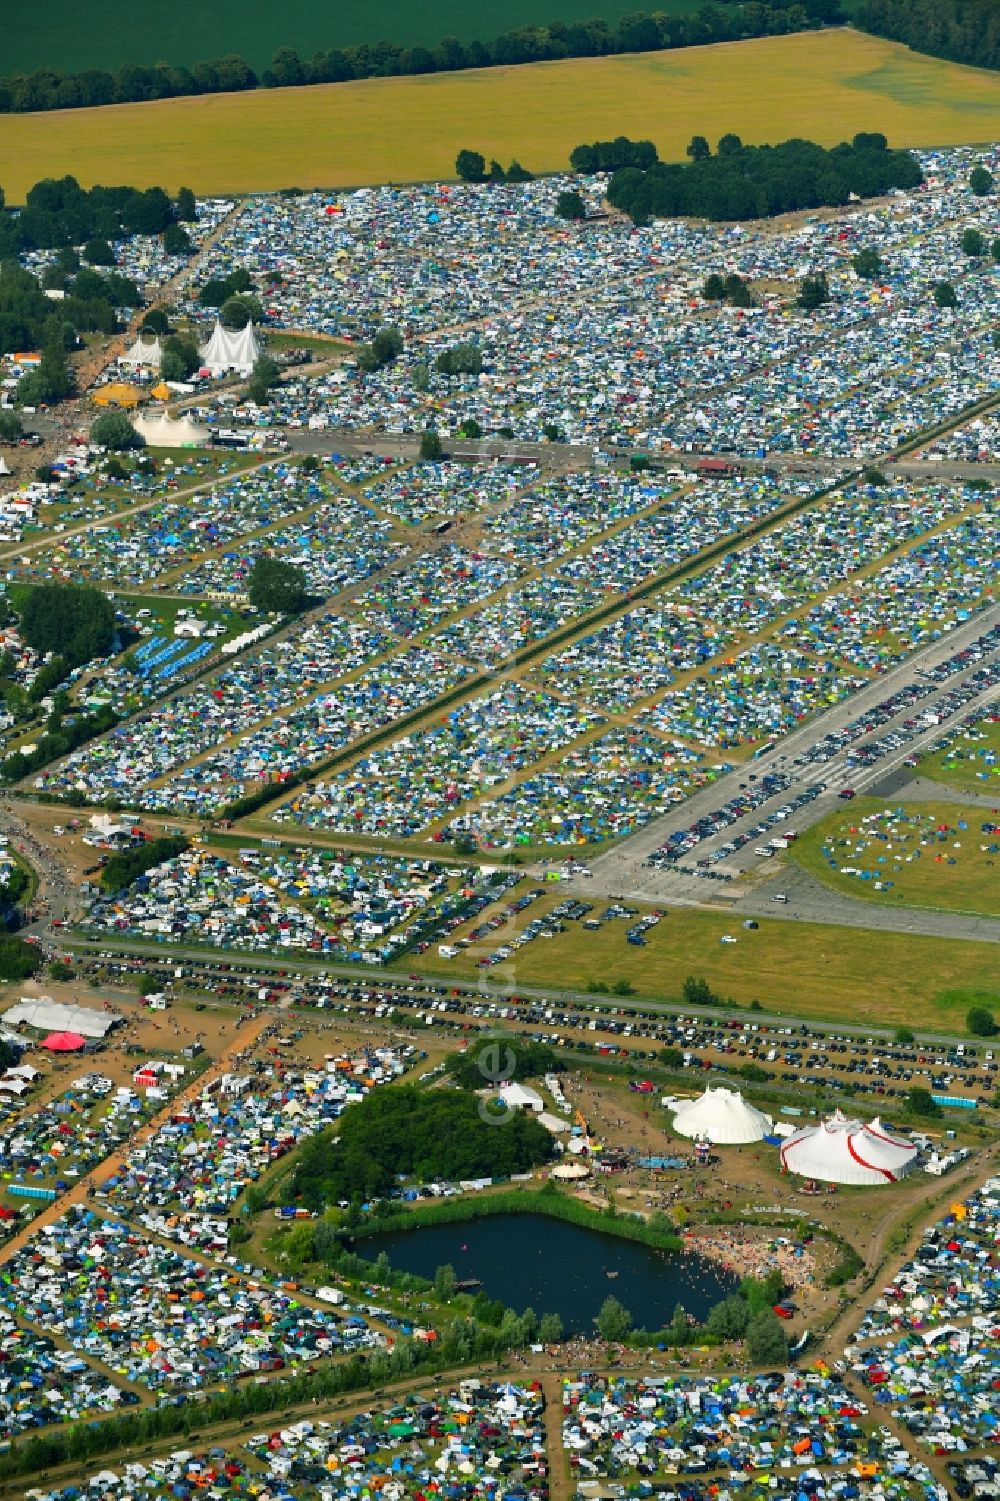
470, 428
156, 321
995, 250
614, 1321
699, 150
471, 166
868, 264
266, 375
813, 292
97, 252
920, 1101
10, 427
50, 382
570, 206
981, 1022
187, 209
729, 1318
904, 1036
176, 241
278, 587
430, 445
981, 181
550, 1329
237, 311
114, 431
696, 991
973, 242
444, 1281
767, 1343
714, 288
75, 622
945, 295
180, 358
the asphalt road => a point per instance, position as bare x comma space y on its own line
624, 869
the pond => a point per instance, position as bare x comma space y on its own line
529, 1260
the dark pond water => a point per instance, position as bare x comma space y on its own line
553, 1267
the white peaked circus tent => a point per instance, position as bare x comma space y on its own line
163, 431
723, 1116
840, 1150
143, 355
228, 350
3, 466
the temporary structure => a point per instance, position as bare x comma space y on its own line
118, 394
230, 351
143, 356
570, 1172
840, 1150
723, 1117
160, 430
64, 1042
46, 1015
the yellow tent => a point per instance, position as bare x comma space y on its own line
118, 394
162, 392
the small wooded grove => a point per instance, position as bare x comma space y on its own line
754, 182
402, 1132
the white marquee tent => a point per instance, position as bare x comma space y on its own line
142, 355
840, 1150
46, 1015
723, 1116
228, 350
163, 431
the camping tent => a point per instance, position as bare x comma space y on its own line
723, 1117
228, 350
840, 1150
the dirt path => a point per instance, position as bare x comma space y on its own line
244, 1037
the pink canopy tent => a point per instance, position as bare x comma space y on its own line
64, 1042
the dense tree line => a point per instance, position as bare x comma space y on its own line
407, 1132
18, 959
44, 89
754, 182
57, 211
121, 870
504, 1058
965, 31
638, 32
30, 320
58, 742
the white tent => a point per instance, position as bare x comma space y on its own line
570, 1172
142, 355
518, 1097
228, 350
723, 1117
46, 1015
840, 1150
163, 431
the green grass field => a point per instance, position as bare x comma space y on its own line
963, 765
824, 85
803, 969
49, 35
925, 859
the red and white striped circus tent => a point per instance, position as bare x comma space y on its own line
840, 1150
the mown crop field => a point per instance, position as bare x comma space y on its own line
802, 969
49, 35
824, 85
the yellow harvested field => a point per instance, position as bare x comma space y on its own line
825, 86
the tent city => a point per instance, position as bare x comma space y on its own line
499, 752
